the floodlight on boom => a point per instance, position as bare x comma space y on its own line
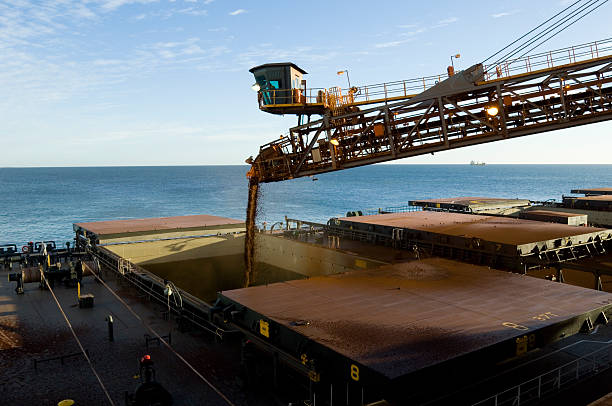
492, 110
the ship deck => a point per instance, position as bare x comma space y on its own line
594, 191
34, 336
470, 204
397, 321
521, 234
155, 224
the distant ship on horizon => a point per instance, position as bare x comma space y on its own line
476, 163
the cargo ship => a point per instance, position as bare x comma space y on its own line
459, 300
497, 298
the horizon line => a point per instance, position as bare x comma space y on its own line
246, 165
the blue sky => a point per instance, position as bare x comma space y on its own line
145, 82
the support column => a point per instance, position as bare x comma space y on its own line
389, 134
332, 148
443, 121
502, 112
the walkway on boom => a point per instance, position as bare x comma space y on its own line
506, 63
273, 99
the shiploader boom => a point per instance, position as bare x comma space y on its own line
538, 93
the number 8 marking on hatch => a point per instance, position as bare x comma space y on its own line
515, 326
354, 372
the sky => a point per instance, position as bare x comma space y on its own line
166, 82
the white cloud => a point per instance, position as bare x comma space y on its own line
306, 55
192, 11
171, 12
504, 14
115, 4
498, 15
80, 10
412, 33
389, 44
175, 44
208, 1
37, 53
447, 21
236, 12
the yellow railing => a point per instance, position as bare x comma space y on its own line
334, 98
336, 101
550, 59
271, 97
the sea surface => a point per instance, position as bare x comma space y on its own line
42, 203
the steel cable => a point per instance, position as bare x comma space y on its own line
110, 400
564, 28
520, 38
161, 340
558, 24
547, 30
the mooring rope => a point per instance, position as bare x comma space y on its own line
110, 400
161, 340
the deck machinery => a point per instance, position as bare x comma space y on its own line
483, 103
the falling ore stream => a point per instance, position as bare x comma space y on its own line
249, 241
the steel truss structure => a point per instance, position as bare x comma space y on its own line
460, 111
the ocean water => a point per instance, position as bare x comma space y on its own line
42, 203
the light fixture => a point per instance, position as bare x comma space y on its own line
454, 56
334, 142
492, 110
342, 72
256, 87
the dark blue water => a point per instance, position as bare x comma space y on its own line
42, 203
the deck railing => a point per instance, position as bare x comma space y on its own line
550, 59
535, 389
337, 97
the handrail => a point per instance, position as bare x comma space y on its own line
552, 381
550, 59
407, 88
392, 209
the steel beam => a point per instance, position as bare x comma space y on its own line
533, 107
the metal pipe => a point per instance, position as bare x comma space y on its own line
111, 335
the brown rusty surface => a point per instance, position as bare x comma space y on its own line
604, 401
599, 190
548, 213
400, 318
474, 202
154, 224
504, 230
599, 198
